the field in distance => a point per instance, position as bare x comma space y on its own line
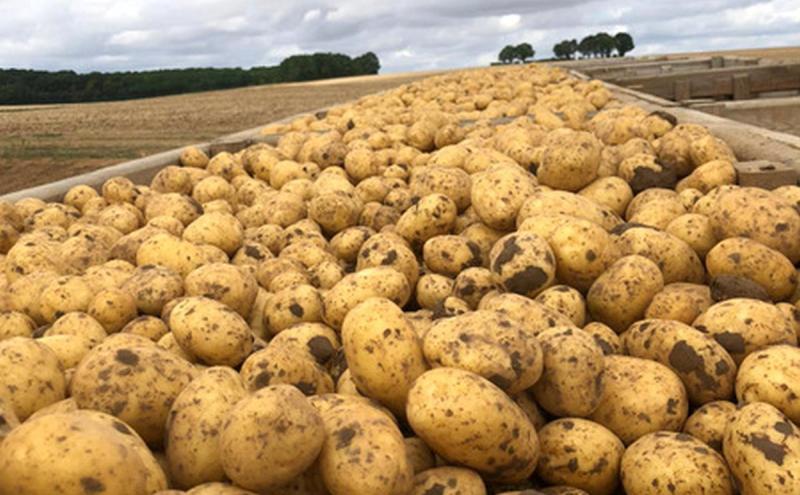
45, 143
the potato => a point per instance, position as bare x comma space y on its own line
581, 454
564, 203
383, 352
449, 181
69, 349
388, 249
680, 301
228, 284
113, 308
113, 459
761, 446
282, 364
759, 215
419, 455
640, 397
489, 344
32, 376
498, 193
708, 422
570, 160
708, 372
9, 421
358, 287
634, 278
448, 480
136, 383
535, 317
572, 381
15, 324
743, 326
152, 287
747, 258
211, 331
432, 289
64, 295
363, 451
472, 284
292, 431
523, 263
432, 215
676, 259
605, 337
612, 192
168, 251
709, 175
772, 375
467, 420
218, 229
667, 462
450, 255
149, 327
300, 303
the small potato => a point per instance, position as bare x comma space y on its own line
488, 343
170, 252
643, 171
113, 308
292, 432
523, 263
472, 284
218, 229
498, 193
572, 382
762, 448
449, 181
708, 176
450, 255
611, 192
706, 369
281, 364
680, 301
360, 286
300, 303
152, 287
211, 331
565, 300
363, 450
78, 196
347, 243
112, 459
383, 352
228, 284
419, 455
695, 230
564, 203
708, 422
432, 289
747, 258
605, 337
465, 419
149, 327
388, 249
64, 295
448, 480
581, 454
535, 317
570, 160
32, 376
640, 397
676, 259
432, 215
667, 462
634, 279
192, 156
743, 326
79, 325
772, 375
335, 211
15, 324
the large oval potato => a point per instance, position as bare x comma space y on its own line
384, 353
466, 419
772, 375
523, 263
360, 286
32, 376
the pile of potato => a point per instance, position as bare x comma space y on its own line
495, 281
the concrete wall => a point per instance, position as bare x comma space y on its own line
778, 114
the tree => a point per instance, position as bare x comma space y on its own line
588, 46
624, 43
565, 49
523, 52
507, 54
605, 44
367, 63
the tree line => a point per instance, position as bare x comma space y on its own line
597, 45
513, 53
19, 86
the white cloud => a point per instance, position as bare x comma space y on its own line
414, 34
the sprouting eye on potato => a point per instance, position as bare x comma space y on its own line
489, 281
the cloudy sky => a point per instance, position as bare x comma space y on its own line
104, 35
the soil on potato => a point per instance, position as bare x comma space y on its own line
45, 143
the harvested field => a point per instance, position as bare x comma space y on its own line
44, 143
778, 53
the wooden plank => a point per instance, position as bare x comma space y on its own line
682, 90
766, 174
741, 87
718, 83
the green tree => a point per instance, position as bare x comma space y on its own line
367, 63
507, 54
605, 44
624, 43
588, 46
565, 49
523, 52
